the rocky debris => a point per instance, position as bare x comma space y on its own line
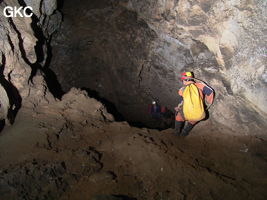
42, 179
102, 177
78, 101
75, 107
35, 180
103, 159
112, 197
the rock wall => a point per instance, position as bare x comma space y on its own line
226, 40
24, 52
133, 51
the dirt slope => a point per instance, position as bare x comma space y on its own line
74, 150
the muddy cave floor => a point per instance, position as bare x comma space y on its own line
62, 153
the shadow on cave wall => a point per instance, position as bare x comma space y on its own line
14, 97
49, 75
15, 100
60, 4
111, 108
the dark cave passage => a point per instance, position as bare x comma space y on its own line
128, 54
165, 122
111, 108
107, 53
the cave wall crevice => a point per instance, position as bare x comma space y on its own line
24, 54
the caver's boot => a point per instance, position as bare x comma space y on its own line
188, 127
178, 127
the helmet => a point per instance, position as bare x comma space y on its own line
153, 102
186, 75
